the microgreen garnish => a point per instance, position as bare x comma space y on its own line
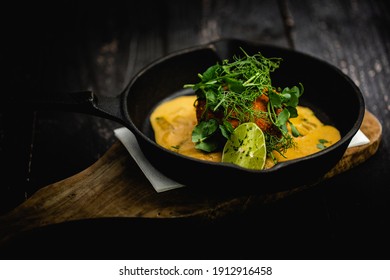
230, 89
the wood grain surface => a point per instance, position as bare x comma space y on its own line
67, 45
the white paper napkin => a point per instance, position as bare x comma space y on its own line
359, 139
158, 180
162, 183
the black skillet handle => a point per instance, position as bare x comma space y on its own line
85, 102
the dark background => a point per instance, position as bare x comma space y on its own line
99, 46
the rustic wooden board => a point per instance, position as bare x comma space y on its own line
115, 187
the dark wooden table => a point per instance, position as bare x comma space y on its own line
100, 46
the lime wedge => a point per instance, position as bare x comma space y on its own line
246, 147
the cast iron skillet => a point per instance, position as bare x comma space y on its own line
330, 93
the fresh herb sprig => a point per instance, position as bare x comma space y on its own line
230, 89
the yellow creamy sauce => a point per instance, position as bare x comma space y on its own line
174, 120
